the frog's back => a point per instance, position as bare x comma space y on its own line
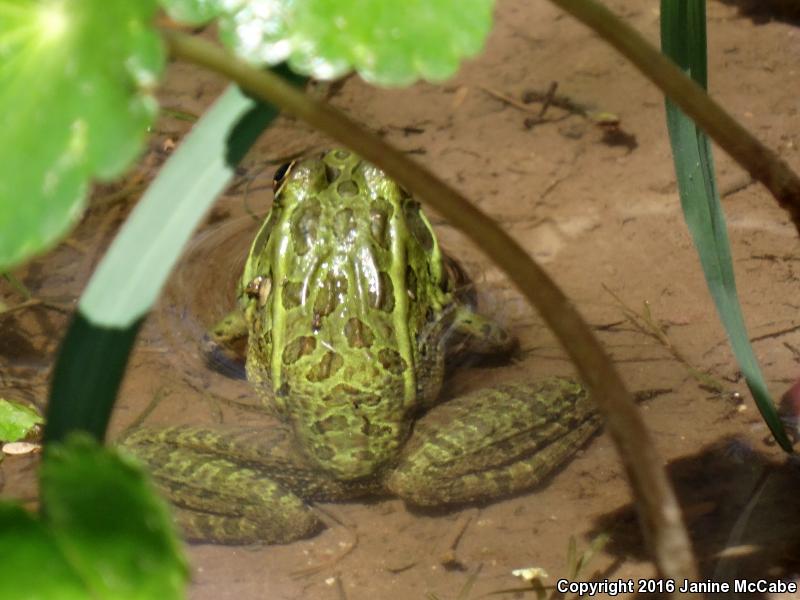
350, 289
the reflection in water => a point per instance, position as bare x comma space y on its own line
201, 291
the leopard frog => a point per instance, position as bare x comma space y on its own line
351, 310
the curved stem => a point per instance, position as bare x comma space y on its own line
659, 511
761, 162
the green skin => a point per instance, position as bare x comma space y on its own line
351, 311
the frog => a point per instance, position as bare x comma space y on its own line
352, 312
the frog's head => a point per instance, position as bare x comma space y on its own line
342, 289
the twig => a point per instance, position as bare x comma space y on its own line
447, 557
652, 329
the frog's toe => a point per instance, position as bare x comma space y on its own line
225, 345
476, 334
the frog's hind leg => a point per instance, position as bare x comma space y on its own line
493, 442
233, 505
236, 485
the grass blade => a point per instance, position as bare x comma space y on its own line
95, 351
683, 38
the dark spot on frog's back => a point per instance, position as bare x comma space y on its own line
323, 452
332, 291
344, 393
327, 366
292, 294
305, 225
347, 188
392, 361
411, 282
358, 334
332, 173
365, 456
379, 216
383, 297
377, 227
297, 348
331, 423
417, 226
344, 223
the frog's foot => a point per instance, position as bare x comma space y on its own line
225, 344
235, 485
493, 442
473, 334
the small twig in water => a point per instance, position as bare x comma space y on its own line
645, 323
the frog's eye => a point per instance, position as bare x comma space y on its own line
281, 174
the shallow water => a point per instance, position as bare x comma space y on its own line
594, 214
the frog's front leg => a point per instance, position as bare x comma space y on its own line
238, 485
225, 344
230, 329
494, 442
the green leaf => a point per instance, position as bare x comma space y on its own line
115, 532
683, 38
388, 42
125, 285
17, 420
106, 534
33, 566
193, 12
133, 271
75, 103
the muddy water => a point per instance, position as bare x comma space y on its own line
596, 211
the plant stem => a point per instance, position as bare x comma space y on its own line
761, 162
659, 511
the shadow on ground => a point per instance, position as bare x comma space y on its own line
741, 511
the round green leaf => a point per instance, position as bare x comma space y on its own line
32, 565
388, 42
192, 12
109, 523
75, 102
17, 420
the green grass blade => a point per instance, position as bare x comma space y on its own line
95, 351
683, 38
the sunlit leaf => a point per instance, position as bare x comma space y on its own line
17, 420
95, 350
194, 12
75, 103
389, 42
33, 565
683, 38
105, 533
113, 529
